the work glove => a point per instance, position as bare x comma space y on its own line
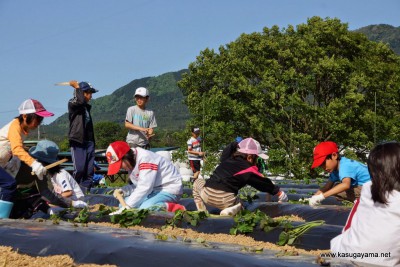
13, 166
39, 169
119, 211
74, 84
79, 204
55, 210
282, 197
316, 200
117, 192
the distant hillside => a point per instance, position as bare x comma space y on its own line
383, 33
166, 100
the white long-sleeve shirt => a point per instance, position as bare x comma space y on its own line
371, 232
152, 172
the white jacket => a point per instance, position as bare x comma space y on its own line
152, 172
371, 234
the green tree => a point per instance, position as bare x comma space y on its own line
294, 87
107, 132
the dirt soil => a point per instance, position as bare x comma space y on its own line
8, 257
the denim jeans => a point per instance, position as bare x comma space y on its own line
8, 186
156, 200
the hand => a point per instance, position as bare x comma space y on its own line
38, 169
118, 192
13, 165
74, 84
119, 211
282, 197
79, 204
316, 200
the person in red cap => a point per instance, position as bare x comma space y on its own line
346, 176
222, 188
12, 152
156, 183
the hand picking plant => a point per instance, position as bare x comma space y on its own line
290, 233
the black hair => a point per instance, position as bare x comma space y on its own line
53, 170
384, 168
238, 154
130, 157
330, 156
30, 118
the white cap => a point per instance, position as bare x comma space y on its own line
142, 92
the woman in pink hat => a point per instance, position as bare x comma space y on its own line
12, 152
221, 190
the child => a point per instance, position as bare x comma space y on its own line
194, 152
373, 223
12, 152
222, 188
155, 181
81, 133
349, 174
64, 184
140, 121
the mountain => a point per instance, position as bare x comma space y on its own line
383, 33
166, 100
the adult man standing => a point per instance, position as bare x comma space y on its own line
81, 134
140, 121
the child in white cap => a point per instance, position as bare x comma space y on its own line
221, 190
140, 121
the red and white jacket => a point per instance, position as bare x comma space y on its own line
371, 228
152, 172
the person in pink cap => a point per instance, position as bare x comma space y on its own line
346, 176
222, 188
12, 152
156, 183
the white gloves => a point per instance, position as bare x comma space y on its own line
13, 165
38, 169
119, 211
79, 204
55, 210
282, 197
316, 200
118, 192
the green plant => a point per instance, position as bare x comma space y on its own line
83, 216
248, 194
104, 210
190, 217
290, 233
130, 217
245, 221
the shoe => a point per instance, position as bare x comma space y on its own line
231, 211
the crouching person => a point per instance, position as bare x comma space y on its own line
156, 183
221, 190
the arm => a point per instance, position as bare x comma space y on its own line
263, 184
343, 186
131, 126
147, 178
78, 100
45, 189
67, 193
16, 142
325, 188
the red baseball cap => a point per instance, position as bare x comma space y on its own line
114, 153
322, 150
33, 106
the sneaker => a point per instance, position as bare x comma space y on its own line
231, 211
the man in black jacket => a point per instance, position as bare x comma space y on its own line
81, 134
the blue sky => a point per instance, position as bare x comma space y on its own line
110, 43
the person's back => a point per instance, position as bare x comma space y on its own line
373, 223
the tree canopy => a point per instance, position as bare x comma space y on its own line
292, 88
